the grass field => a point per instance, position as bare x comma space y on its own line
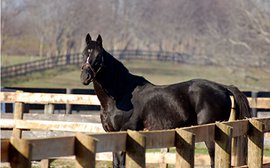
257, 79
7, 60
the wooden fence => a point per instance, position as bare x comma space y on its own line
20, 151
62, 60
259, 101
85, 146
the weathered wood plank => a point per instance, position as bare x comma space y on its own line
20, 153
240, 127
239, 142
4, 150
18, 115
110, 142
223, 139
239, 151
52, 125
44, 148
185, 147
89, 117
259, 102
49, 108
135, 148
202, 132
49, 98
85, 151
159, 139
266, 122
255, 144
163, 152
7, 123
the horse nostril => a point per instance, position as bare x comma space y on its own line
84, 67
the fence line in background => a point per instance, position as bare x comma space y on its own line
62, 60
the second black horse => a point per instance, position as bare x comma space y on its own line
131, 102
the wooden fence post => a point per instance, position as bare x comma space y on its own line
223, 140
18, 115
49, 109
254, 96
68, 106
239, 144
19, 150
185, 145
163, 153
135, 148
255, 144
19, 153
85, 151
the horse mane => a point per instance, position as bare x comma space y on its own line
113, 62
118, 82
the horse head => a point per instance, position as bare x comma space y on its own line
92, 59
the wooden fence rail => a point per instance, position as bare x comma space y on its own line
57, 61
82, 145
50, 99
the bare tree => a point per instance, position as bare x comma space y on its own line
10, 10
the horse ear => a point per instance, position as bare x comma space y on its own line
99, 40
88, 38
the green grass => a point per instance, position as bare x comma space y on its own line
156, 72
61, 77
198, 150
7, 60
266, 152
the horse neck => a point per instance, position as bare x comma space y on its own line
102, 95
115, 80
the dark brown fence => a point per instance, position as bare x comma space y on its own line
62, 60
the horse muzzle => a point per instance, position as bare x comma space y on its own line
86, 76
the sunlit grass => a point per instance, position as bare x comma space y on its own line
7, 60
156, 72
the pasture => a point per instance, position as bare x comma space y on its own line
7, 60
246, 78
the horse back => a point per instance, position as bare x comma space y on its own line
183, 104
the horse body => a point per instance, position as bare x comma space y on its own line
131, 102
166, 107
182, 104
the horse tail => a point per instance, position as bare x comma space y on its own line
241, 103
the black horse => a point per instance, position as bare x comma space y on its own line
131, 102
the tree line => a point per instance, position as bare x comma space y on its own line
226, 33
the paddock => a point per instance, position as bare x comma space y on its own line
89, 140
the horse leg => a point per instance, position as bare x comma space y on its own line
119, 159
211, 150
